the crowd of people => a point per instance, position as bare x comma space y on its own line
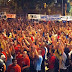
29, 47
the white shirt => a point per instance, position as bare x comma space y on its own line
64, 57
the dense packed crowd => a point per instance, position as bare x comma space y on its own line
30, 47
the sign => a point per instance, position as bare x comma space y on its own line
67, 18
44, 17
55, 18
64, 18
11, 15
50, 17
70, 18
40, 17
33, 16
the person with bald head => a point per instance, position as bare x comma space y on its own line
25, 62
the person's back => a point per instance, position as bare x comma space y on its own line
56, 64
51, 61
66, 50
70, 66
63, 68
9, 61
38, 63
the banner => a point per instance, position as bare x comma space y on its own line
33, 16
70, 18
11, 15
40, 17
50, 17
66, 18
55, 18
44, 17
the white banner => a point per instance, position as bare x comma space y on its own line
33, 16
58, 17
50, 17
70, 18
44, 17
66, 18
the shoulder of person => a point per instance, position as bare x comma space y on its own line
10, 65
18, 66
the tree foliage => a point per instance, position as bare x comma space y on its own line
28, 5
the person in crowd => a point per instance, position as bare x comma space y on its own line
70, 67
63, 67
2, 66
14, 67
39, 60
3, 55
25, 62
51, 60
70, 60
9, 58
66, 50
21, 35
43, 55
1, 52
32, 58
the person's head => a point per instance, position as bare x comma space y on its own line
33, 47
50, 45
39, 52
14, 61
51, 51
24, 54
3, 57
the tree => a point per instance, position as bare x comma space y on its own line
28, 6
